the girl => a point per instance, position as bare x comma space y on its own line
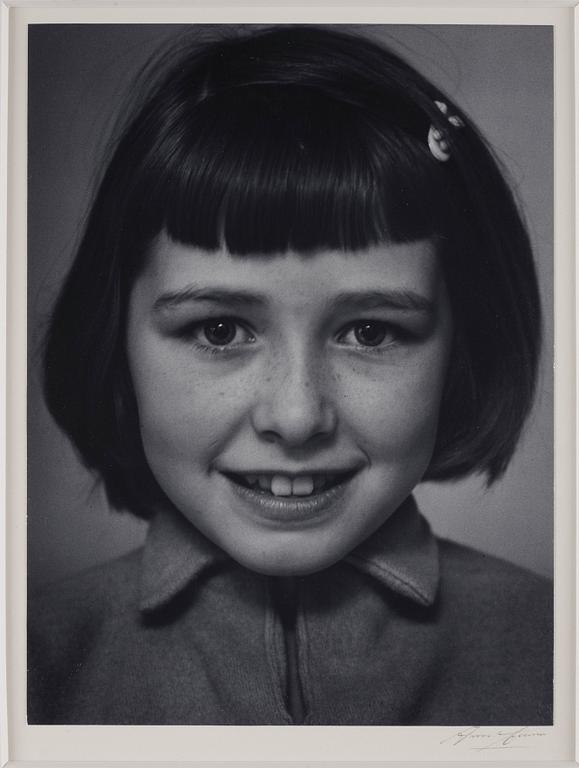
303, 287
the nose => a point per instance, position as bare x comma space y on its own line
294, 406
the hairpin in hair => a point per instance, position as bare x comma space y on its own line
437, 141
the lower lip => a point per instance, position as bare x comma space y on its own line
292, 509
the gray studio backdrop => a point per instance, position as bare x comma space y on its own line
78, 77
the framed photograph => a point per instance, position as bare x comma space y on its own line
290, 384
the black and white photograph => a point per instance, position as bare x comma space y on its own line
290, 375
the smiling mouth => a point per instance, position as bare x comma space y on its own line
295, 486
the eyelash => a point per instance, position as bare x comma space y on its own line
393, 335
189, 333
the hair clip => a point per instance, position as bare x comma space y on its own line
437, 141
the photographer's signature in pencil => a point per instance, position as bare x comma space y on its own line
478, 738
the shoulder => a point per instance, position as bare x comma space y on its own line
74, 613
74, 620
475, 573
496, 639
488, 599
82, 602
103, 591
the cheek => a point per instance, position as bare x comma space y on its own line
395, 413
183, 412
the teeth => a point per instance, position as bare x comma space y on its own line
303, 486
281, 485
284, 485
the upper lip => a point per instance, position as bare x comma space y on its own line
292, 473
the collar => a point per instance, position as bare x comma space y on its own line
402, 555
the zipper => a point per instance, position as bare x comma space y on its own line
285, 591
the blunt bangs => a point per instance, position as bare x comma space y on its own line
266, 169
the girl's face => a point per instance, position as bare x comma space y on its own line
289, 404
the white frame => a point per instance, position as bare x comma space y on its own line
315, 743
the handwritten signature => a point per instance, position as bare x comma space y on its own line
478, 738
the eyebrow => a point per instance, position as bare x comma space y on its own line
400, 300
193, 293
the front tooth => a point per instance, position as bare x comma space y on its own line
281, 485
303, 485
264, 482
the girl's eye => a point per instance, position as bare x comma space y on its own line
220, 332
370, 334
367, 333
217, 334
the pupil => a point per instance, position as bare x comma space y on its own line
370, 334
220, 332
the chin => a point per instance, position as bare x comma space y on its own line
286, 564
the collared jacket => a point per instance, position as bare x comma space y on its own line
407, 630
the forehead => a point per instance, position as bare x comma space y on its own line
290, 277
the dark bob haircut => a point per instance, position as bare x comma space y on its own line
297, 138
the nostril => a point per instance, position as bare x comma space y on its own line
292, 407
